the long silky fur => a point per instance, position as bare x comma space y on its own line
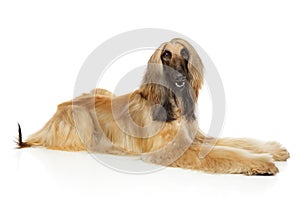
155, 123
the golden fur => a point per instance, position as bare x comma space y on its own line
156, 121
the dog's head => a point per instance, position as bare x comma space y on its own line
174, 58
174, 78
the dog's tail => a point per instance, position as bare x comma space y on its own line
19, 141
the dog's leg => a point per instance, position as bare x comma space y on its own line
223, 159
278, 152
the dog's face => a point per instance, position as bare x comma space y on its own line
173, 79
174, 58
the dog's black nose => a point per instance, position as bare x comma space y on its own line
180, 77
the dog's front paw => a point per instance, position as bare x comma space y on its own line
278, 152
263, 165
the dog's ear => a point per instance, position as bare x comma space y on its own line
153, 77
156, 56
195, 67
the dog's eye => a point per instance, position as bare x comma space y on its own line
184, 53
167, 54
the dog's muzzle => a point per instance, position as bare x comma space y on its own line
180, 81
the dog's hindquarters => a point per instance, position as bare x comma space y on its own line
70, 129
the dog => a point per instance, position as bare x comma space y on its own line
157, 122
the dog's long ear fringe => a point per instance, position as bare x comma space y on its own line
19, 141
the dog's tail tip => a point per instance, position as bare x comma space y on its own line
19, 141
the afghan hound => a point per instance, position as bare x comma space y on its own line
157, 122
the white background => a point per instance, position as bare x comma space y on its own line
255, 46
